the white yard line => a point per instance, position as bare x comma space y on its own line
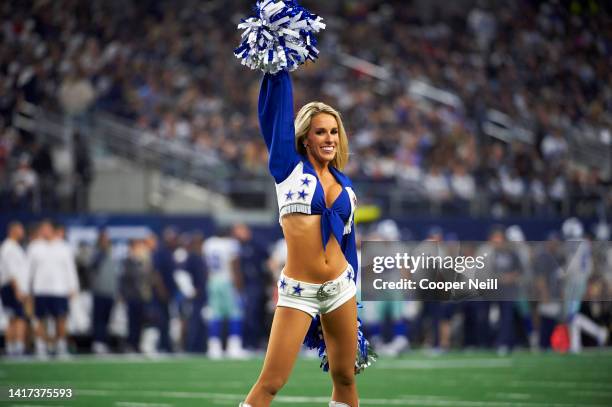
559, 384
512, 396
106, 385
35, 405
113, 358
591, 393
446, 364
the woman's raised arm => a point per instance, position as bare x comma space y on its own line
276, 122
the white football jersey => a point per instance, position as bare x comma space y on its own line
13, 265
52, 267
279, 252
219, 253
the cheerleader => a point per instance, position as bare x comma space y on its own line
317, 291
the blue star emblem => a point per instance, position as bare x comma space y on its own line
349, 275
289, 195
283, 284
302, 194
306, 181
297, 289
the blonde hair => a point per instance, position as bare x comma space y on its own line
302, 126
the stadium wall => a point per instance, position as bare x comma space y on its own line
412, 228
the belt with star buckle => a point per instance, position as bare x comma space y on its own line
327, 289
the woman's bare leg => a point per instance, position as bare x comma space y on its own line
340, 333
289, 328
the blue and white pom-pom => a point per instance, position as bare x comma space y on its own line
365, 353
280, 36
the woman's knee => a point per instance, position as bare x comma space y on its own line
343, 377
271, 385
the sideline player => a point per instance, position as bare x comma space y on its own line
14, 283
54, 281
377, 313
221, 255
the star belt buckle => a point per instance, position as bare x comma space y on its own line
328, 289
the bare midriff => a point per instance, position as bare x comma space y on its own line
306, 259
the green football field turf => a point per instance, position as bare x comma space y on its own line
451, 380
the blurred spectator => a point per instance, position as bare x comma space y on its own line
54, 282
542, 65
195, 336
548, 263
554, 148
83, 258
136, 288
464, 187
437, 187
483, 25
43, 164
225, 284
513, 189
165, 264
14, 288
594, 317
555, 273
185, 290
391, 309
278, 258
505, 263
24, 187
104, 286
76, 94
83, 171
252, 257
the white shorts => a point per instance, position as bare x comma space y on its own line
316, 299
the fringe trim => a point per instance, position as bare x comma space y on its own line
348, 227
295, 208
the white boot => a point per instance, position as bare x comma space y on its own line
19, 348
215, 348
100, 348
62, 349
149, 340
396, 346
337, 404
244, 405
234, 348
41, 349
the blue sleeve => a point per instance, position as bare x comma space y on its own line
276, 121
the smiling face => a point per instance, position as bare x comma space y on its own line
322, 139
320, 135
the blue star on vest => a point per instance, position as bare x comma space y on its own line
349, 275
289, 195
306, 181
302, 194
283, 284
297, 289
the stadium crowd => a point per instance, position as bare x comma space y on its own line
183, 292
167, 67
